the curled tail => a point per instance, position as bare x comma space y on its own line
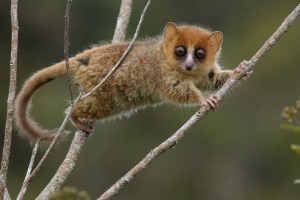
26, 126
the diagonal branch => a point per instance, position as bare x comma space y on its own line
25, 186
171, 141
55, 140
11, 98
122, 22
66, 167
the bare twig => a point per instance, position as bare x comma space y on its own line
34, 151
124, 54
170, 142
122, 22
66, 48
55, 140
25, 186
29, 176
11, 97
66, 167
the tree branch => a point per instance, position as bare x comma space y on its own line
11, 98
55, 140
122, 22
171, 141
66, 167
29, 176
6, 195
25, 186
66, 48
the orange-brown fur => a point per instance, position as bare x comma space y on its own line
150, 74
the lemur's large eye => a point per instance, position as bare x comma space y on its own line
180, 51
200, 53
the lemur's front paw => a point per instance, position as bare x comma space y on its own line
242, 67
211, 102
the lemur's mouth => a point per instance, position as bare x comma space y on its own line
188, 68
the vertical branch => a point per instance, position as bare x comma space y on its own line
11, 97
29, 176
66, 48
122, 22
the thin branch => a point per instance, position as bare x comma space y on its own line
170, 142
66, 167
29, 178
34, 151
55, 140
66, 48
124, 54
276, 36
122, 22
25, 186
11, 97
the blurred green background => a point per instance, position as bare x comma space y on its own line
236, 153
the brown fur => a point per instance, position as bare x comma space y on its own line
150, 74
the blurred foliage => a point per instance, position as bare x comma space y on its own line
70, 193
236, 153
290, 114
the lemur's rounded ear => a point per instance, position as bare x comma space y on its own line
170, 32
215, 39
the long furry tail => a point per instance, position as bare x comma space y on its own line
26, 126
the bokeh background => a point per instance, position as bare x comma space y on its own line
236, 153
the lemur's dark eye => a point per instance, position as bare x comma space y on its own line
200, 53
180, 51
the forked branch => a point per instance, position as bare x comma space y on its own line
25, 186
171, 141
